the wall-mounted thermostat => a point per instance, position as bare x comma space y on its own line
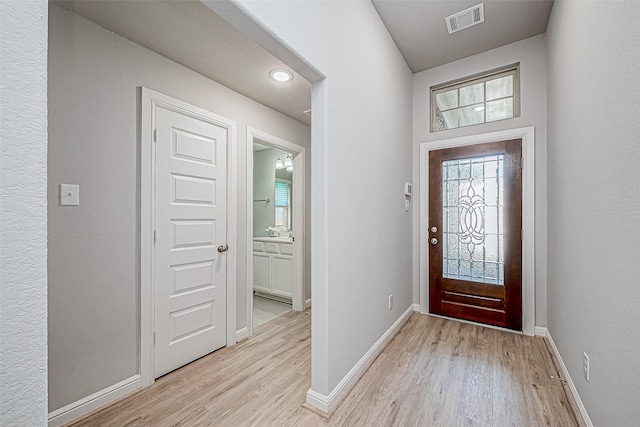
408, 189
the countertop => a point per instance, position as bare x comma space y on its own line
273, 239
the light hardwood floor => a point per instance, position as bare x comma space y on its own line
435, 372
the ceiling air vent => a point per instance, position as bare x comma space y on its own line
465, 19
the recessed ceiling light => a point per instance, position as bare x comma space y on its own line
479, 108
280, 75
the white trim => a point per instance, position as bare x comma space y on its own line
330, 403
528, 214
416, 308
541, 331
298, 205
307, 303
82, 407
151, 99
242, 333
567, 377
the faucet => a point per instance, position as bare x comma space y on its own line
273, 232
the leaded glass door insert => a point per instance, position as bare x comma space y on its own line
472, 214
475, 222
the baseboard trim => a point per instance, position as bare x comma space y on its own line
307, 303
97, 400
242, 334
328, 404
567, 378
319, 402
278, 298
540, 331
416, 308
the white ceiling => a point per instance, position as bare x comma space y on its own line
420, 31
191, 34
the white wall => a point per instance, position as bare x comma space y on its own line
594, 201
93, 281
530, 53
361, 130
23, 217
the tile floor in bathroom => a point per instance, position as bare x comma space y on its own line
265, 309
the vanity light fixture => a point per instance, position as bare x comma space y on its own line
279, 164
288, 163
280, 75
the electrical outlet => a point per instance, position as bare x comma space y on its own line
390, 302
585, 366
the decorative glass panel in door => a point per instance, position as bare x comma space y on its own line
473, 227
475, 219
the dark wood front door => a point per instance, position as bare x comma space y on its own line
475, 223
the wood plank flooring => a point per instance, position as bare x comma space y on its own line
435, 372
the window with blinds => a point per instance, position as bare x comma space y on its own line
282, 193
283, 204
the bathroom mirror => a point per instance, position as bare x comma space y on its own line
282, 199
272, 190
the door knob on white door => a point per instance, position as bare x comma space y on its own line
433, 241
223, 248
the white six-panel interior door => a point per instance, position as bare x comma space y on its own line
190, 224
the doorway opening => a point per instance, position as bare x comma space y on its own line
188, 233
475, 223
429, 267
275, 228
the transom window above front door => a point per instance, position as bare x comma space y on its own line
489, 97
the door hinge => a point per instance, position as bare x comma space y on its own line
154, 337
154, 236
155, 135
522, 234
522, 163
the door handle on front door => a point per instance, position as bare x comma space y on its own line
223, 248
433, 241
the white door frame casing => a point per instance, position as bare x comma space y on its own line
150, 100
298, 204
528, 214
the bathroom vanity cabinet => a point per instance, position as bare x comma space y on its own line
273, 267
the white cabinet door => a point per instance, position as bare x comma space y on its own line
262, 272
190, 274
282, 276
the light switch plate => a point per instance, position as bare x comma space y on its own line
69, 195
